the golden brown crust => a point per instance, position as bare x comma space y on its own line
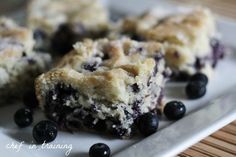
125, 66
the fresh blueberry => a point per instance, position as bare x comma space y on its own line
117, 131
174, 110
63, 39
199, 63
99, 150
30, 99
199, 77
45, 131
136, 107
148, 123
23, 117
89, 122
90, 66
135, 88
158, 56
100, 125
195, 89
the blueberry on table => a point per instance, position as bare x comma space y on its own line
195, 89
174, 110
23, 117
99, 150
199, 77
148, 123
30, 99
45, 131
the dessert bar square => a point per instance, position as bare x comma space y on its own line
19, 65
58, 24
104, 85
190, 38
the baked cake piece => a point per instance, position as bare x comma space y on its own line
104, 85
190, 38
15, 41
17, 76
19, 65
58, 24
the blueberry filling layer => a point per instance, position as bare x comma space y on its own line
64, 106
218, 53
91, 66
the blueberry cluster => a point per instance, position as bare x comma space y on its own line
44, 131
196, 87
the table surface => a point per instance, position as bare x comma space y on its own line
220, 144
223, 142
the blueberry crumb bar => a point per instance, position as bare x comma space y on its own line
19, 65
104, 85
58, 24
190, 38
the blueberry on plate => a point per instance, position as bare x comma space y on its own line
199, 77
148, 123
174, 110
23, 117
45, 131
30, 99
99, 150
195, 89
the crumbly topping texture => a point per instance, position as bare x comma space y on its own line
48, 15
186, 36
104, 77
15, 41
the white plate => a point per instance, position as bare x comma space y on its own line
202, 119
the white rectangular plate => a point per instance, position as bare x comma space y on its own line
204, 116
